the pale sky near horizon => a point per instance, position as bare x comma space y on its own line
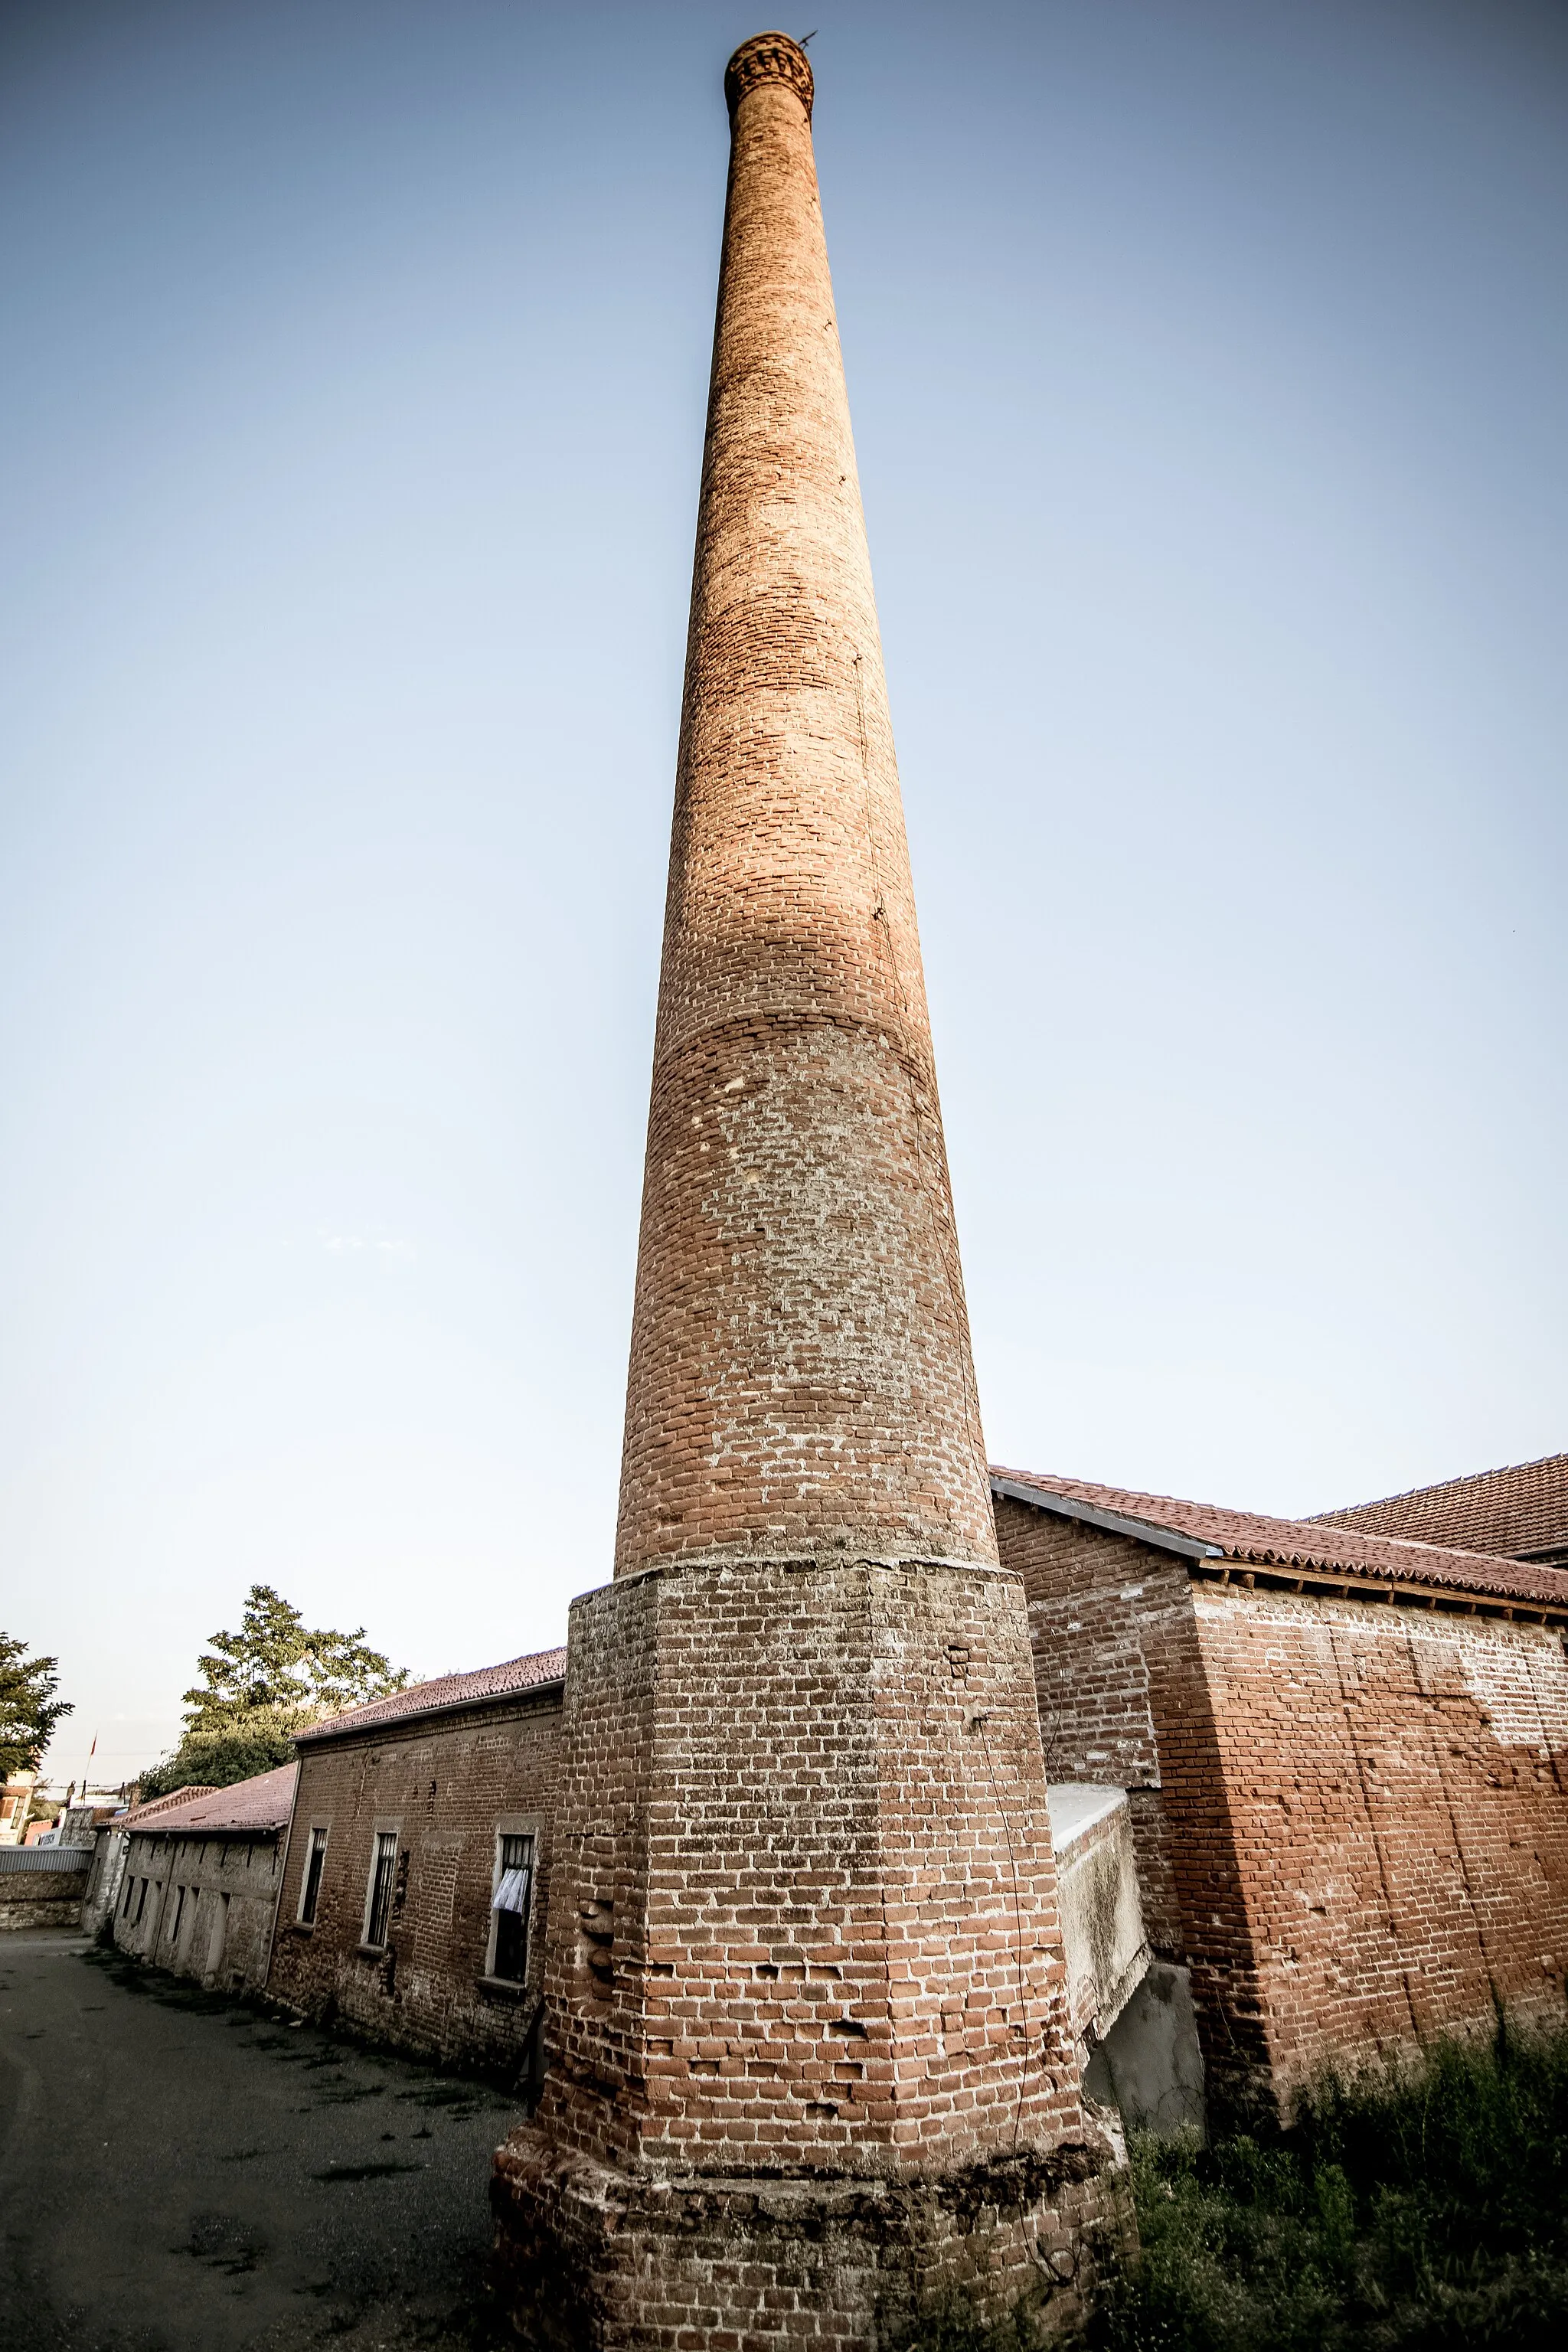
1208, 368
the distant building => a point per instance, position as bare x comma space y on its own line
196, 1890
16, 1793
417, 1870
110, 1843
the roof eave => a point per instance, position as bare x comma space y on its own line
1243, 1568
1065, 1506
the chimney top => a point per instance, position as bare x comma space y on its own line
768, 56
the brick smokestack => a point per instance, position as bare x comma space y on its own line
800, 1363
811, 2060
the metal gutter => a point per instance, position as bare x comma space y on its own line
1142, 1530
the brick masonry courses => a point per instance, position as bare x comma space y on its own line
446, 1784
1348, 1812
811, 2054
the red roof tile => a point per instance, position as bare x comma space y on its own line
1307, 1544
257, 1805
528, 1673
1521, 1511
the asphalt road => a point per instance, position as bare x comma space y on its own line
178, 2170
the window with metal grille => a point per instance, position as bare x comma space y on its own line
383, 1871
311, 1893
508, 1907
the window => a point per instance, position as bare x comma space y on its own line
509, 1908
382, 1872
311, 1892
130, 1891
179, 1907
140, 1903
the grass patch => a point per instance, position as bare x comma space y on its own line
1422, 2212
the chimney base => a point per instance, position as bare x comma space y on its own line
589, 2259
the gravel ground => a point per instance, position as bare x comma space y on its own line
180, 2169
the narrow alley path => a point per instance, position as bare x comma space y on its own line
177, 2172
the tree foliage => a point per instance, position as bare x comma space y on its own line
28, 1707
277, 1663
260, 1685
217, 1759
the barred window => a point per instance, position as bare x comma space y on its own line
311, 1893
383, 1870
510, 1907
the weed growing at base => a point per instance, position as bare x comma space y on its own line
1417, 2214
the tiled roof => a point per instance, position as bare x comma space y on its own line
162, 1804
1308, 1544
1521, 1511
256, 1805
446, 1691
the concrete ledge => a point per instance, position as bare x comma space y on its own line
1097, 1896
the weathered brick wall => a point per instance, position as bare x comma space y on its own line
1362, 1839
806, 1898
201, 1906
628, 2262
446, 1786
1395, 1784
1106, 1618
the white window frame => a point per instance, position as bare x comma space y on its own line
512, 1825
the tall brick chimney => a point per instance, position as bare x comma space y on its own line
810, 2051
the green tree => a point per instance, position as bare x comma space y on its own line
28, 1707
260, 1686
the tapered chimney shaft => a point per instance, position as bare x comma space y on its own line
811, 2060
800, 1366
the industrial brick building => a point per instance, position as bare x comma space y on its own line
1344, 1755
416, 1878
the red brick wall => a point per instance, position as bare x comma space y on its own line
1394, 1780
1354, 1832
445, 1786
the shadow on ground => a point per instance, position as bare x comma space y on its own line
183, 2172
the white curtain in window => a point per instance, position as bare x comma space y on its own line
511, 1895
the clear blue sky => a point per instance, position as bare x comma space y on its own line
1207, 364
